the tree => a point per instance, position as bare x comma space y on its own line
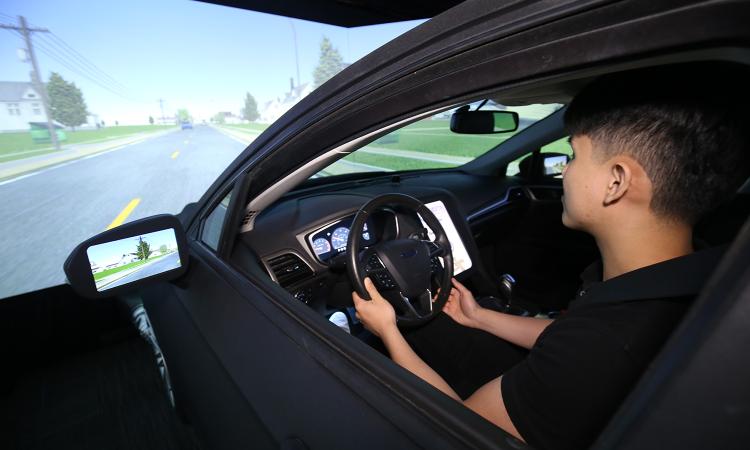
183, 115
329, 64
66, 102
218, 118
151, 120
250, 111
143, 249
163, 249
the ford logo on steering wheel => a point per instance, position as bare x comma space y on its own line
409, 253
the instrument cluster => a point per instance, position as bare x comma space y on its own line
331, 240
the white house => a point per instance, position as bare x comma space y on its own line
276, 108
20, 104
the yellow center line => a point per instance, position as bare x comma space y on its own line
124, 213
175, 154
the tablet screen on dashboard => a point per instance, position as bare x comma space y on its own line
461, 259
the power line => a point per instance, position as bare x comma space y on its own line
85, 60
70, 66
59, 50
61, 44
62, 62
83, 66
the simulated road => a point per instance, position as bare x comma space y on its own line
169, 262
44, 216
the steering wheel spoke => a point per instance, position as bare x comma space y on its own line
435, 248
373, 264
404, 270
409, 310
426, 301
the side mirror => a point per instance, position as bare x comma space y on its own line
131, 255
483, 122
554, 164
540, 165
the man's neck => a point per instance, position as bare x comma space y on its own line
629, 248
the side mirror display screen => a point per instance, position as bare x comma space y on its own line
123, 261
553, 165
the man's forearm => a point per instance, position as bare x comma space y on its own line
522, 331
403, 355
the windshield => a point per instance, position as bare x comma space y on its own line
430, 144
118, 111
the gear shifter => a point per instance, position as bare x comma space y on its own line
506, 287
502, 304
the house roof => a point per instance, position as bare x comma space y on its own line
12, 91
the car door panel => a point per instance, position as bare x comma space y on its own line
204, 393
279, 376
526, 238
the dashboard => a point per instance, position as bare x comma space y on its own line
301, 239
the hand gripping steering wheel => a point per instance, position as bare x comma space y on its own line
402, 269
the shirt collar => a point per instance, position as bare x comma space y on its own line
678, 277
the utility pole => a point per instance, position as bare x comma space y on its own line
35, 78
161, 105
296, 57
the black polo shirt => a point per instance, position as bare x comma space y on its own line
585, 363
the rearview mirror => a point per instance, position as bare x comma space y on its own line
483, 122
131, 255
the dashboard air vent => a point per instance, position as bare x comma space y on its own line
248, 217
289, 269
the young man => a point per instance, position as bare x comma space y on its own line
650, 157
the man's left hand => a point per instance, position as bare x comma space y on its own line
377, 315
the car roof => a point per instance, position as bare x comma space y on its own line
346, 13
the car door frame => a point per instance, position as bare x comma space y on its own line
354, 103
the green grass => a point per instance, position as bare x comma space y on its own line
105, 273
22, 142
426, 123
259, 127
443, 142
559, 146
395, 163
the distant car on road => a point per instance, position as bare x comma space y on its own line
186, 125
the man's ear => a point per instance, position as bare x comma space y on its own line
619, 179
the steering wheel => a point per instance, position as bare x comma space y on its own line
402, 269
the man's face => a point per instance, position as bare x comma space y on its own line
582, 179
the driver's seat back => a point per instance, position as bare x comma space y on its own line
721, 225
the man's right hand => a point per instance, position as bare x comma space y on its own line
522, 331
461, 305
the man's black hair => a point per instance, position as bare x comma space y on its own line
686, 124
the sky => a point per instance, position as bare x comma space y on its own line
193, 55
